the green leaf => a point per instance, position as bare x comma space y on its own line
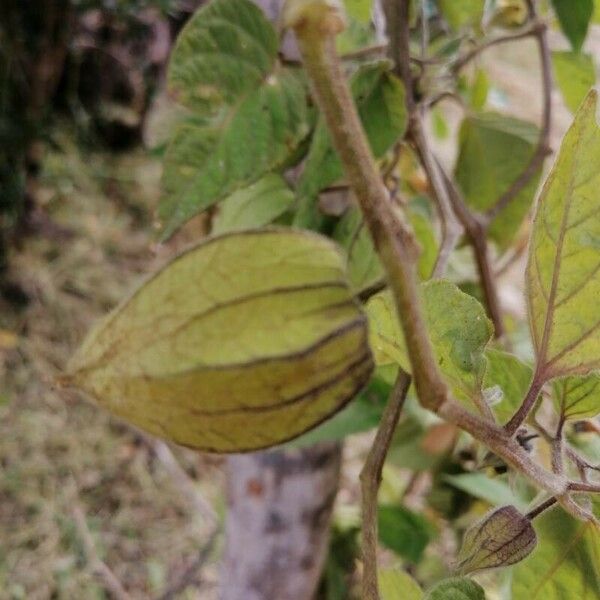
494, 150
254, 206
575, 75
405, 532
249, 116
574, 18
462, 13
428, 243
565, 564
578, 397
478, 92
224, 52
380, 100
479, 485
396, 584
563, 282
501, 538
510, 377
364, 267
458, 328
244, 341
362, 414
458, 588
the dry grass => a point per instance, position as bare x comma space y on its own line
60, 454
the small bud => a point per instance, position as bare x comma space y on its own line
503, 537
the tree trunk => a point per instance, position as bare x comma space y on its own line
277, 531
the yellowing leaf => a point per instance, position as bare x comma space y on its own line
396, 584
565, 563
563, 272
501, 538
578, 397
458, 327
242, 342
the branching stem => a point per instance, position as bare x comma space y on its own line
316, 25
535, 387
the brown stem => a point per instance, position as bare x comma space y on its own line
535, 387
583, 486
543, 147
370, 478
392, 238
316, 24
448, 198
397, 19
557, 447
538, 510
476, 229
451, 228
465, 59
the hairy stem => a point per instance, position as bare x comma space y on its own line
392, 238
316, 24
535, 387
538, 510
476, 229
454, 214
370, 478
397, 20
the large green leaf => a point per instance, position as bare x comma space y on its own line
563, 271
245, 341
566, 563
405, 532
494, 151
574, 17
380, 100
578, 397
458, 588
248, 114
508, 379
458, 328
396, 584
254, 206
575, 75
